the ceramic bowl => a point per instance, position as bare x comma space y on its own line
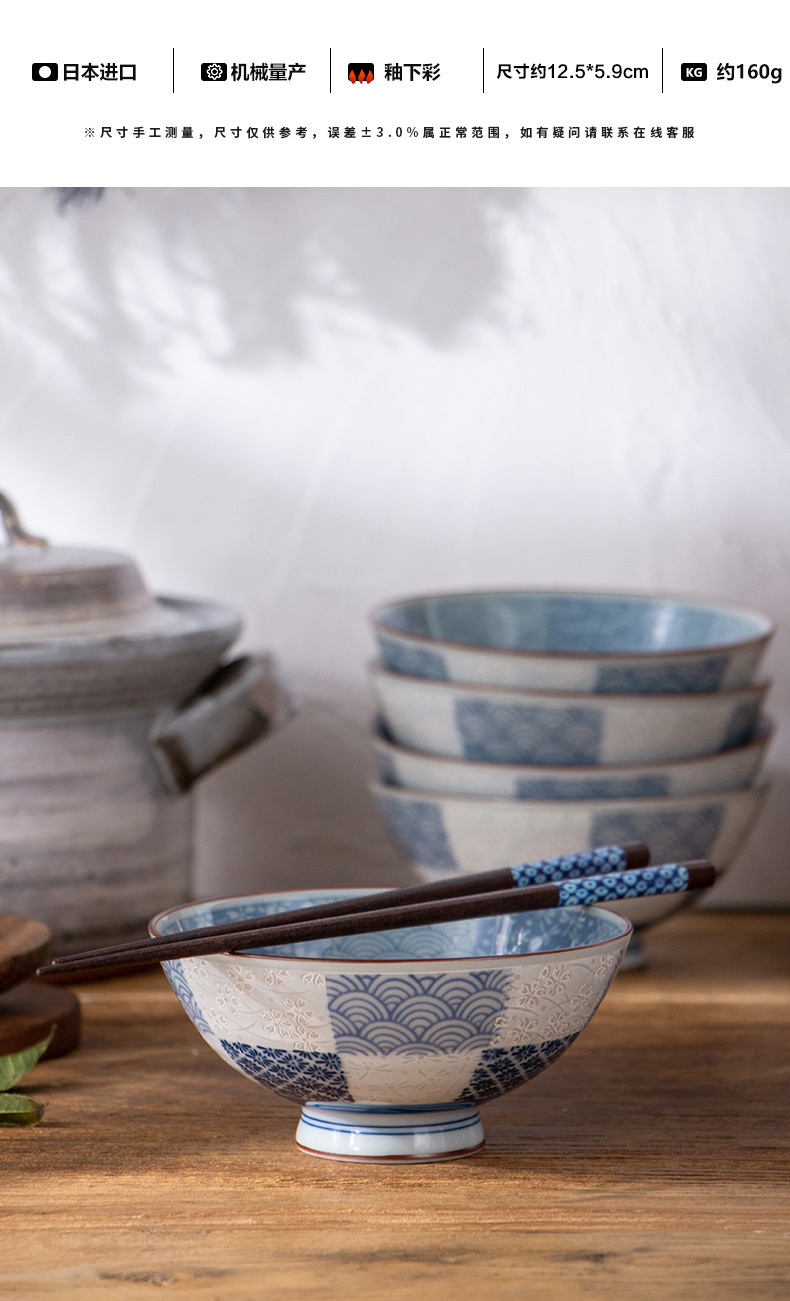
497, 725
608, 642
391, 1041
399, 766
444, 835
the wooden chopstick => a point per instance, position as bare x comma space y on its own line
589, 862
671, 878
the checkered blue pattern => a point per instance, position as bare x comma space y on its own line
670, 879
592, 862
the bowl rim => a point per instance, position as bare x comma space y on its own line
422, 639
574, 770
758, 790
644, 699
351, 891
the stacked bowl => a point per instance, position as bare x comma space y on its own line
520, 725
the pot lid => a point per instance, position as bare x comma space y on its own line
49, 592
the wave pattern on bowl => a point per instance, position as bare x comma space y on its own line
728, 770
492, 725
391, 1040
396, 1032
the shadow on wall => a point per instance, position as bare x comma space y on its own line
112, 279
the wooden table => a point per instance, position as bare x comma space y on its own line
650, 1162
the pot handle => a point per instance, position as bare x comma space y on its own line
236, 705
16, 535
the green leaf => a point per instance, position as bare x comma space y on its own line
16, 1109
15, 1065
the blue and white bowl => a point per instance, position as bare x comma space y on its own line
391, 1041
498, 725
447, 835
418, 771
602, 642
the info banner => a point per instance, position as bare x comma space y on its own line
418, 94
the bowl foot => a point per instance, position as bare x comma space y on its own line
354, 1132
634, 958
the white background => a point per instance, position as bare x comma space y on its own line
303, 402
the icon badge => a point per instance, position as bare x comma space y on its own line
45, 72
693, 72
213, 72
360, 74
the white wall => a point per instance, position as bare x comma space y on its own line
303, 402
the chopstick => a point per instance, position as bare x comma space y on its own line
589, 862
671, 878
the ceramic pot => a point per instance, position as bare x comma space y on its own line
113, 703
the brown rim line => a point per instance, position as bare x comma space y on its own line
603, 769
377, 670
497, 960
421, 639
393, 1160
757, 789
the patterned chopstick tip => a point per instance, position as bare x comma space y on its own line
592, 862
672, 878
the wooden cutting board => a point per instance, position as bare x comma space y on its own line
30, 1010
24, 945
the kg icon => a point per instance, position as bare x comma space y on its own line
693, 72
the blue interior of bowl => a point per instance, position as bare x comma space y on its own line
532, 932
559, 621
